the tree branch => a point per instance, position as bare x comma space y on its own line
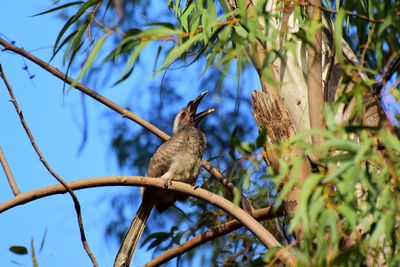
8, 173
50, 170
314, 73
124, 112
243, 217
223, 229
392, 66
84, 89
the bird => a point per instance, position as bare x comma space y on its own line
178, 159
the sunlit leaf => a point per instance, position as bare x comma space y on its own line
179, 50
91, 58
72, 20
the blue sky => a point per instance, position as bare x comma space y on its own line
55, 120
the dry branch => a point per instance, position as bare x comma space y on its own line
50, 170
242, 216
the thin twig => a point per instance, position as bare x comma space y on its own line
392, 66
51, 171
121, 12
229, 207
221, 230
117, 108
367, 45
347, 12
7, 171
92, 15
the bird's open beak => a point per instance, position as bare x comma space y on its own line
192, 105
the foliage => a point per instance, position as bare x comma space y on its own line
348, 211
22, 251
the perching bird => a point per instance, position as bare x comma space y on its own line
178, 159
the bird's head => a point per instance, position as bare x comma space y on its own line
188, 114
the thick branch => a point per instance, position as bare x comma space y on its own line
9, 174
243, 217
221, 230
124, 112
50, 170
314, 73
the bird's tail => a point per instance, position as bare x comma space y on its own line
133, 235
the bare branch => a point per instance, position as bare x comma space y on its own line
243, 217
9, 174
124, 112
221, 230
50, 170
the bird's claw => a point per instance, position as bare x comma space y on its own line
195, 186
167, 183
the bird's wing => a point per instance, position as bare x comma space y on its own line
163, 157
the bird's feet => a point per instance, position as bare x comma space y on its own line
167, 182
195, 186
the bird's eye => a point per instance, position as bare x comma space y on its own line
183, 114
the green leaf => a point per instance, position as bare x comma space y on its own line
334, 175
33, 255
74, 45
378, 232
306, 191
271, 254
43, 240
342, 259
121, 49
163, 24
288, 185
339, 158
349, 214
338, 33
19, 250
246, 148
207, 29
390, 141
329, 219
58, 8
92, 56
153, 33
371, 7
73, 19
184, 18
65, 41
262, 137
157, 57
179, 50
132, 32
132, 59
157, 238
212, 10
386, 23
241, 31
